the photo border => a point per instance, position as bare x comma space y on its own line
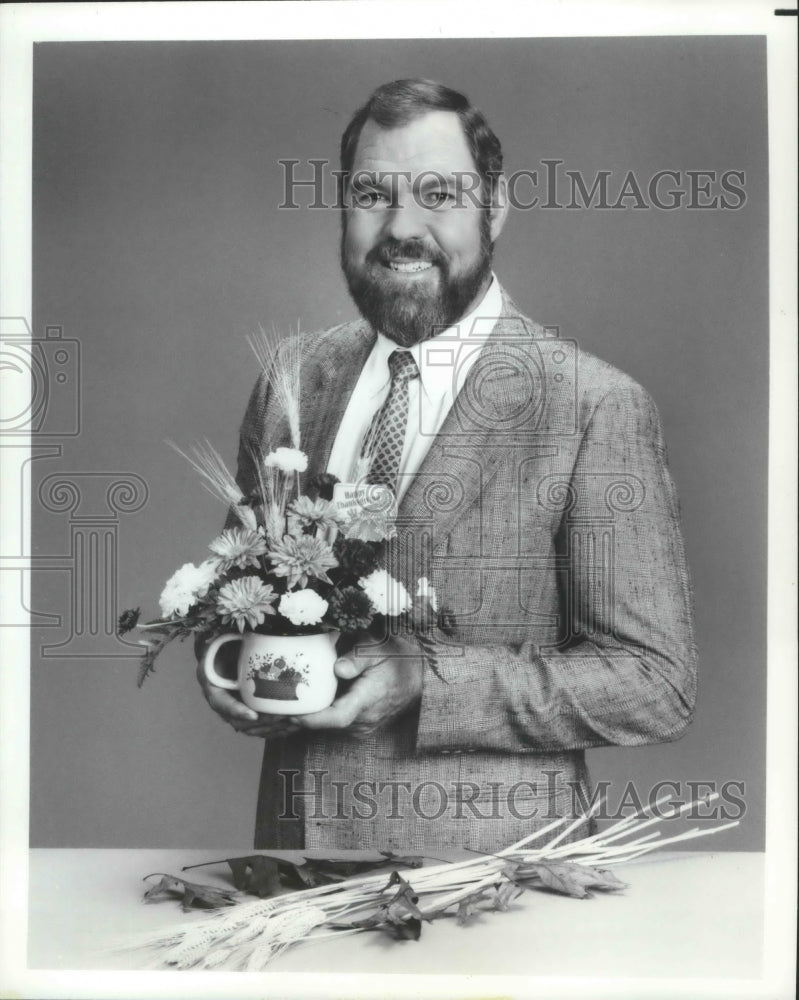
22, 26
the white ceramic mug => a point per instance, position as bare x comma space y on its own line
280, 674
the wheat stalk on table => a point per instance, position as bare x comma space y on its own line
250, 935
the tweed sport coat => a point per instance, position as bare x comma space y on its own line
546, 519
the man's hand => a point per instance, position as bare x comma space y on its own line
383, 687
243, 719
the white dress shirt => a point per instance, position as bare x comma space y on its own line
444, 361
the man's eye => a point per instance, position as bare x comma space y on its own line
438, 199
369, 199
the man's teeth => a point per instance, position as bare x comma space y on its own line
409, 265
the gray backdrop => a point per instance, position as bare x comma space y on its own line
158, 246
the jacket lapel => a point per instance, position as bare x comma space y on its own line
474, 438
326, 393
466, 453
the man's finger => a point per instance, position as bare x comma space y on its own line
222, 701
347, 667
225, 704
339, 716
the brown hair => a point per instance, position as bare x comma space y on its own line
402, 101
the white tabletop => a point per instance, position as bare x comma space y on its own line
683, 915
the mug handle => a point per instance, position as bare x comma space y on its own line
210, 656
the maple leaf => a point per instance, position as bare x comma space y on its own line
191, 893
571, 879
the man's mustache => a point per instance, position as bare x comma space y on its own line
391, 249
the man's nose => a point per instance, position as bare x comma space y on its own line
405, 219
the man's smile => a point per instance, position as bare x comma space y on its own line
408, 266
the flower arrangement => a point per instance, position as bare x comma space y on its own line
290, 563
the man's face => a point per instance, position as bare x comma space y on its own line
416, 252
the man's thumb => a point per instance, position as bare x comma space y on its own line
347, 668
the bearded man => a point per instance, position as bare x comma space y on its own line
532, 485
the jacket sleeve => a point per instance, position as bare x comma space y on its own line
629, 675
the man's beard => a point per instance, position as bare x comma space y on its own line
410, 315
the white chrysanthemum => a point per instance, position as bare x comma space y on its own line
388, 595
426, 592
185, 587
245, 602
287, 460
303, 607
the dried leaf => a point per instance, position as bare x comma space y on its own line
572, 879
298, 875
467, 905
467, 909
392, 918
336, 870
191, 893
128, 620
406, 929
446, 621
154, 640
263, 875
428, 648
405, 894
505, 893
312, 872
398, 916
258, 875
409, 860
365, 924
611, 883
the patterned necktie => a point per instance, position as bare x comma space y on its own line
386, 435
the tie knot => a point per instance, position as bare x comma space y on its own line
402, 366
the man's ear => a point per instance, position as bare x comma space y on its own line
499, 207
